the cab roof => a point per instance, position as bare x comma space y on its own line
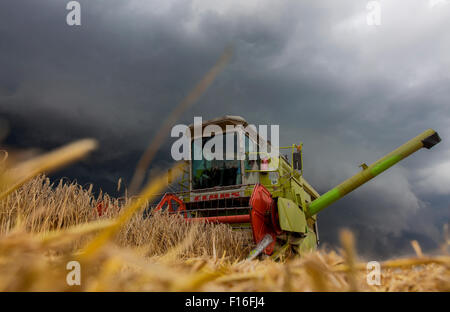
223, 121
231, 120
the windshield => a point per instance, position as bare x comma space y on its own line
210, 173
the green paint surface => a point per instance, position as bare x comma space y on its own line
379, 168
308, 244
323, 201
292, 219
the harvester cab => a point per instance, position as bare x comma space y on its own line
232, 178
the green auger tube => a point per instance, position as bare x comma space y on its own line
427, 139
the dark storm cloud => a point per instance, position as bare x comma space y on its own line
350, 92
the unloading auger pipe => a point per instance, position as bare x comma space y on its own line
426, 139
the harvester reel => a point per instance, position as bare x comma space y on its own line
170, 202
264, 217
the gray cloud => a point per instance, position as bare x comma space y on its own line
350, 92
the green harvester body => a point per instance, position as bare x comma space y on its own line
276, 200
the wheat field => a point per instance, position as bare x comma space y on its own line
46, 224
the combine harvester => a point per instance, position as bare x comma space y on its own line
269, 194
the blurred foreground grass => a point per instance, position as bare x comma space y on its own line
43, 226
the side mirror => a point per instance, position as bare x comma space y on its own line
297, 160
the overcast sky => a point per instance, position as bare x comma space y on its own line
350, 92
